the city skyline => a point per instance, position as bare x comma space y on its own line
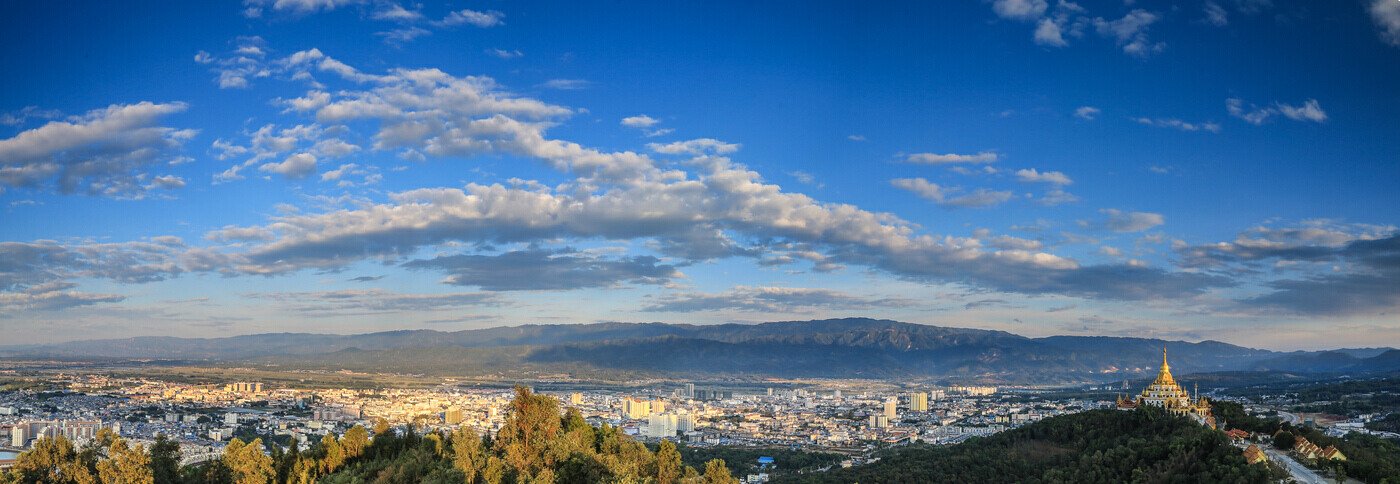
1215, 170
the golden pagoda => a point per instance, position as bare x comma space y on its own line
1166, 393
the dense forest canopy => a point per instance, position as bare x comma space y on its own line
1093, 446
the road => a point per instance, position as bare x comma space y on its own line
1300, 473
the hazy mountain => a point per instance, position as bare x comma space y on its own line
834, 348
1332, 361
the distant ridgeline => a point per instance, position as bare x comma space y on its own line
1147, 445
834, 348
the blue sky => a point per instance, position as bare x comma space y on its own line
1221, 169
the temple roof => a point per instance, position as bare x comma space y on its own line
1164, 376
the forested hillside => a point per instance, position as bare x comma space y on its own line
1095, 446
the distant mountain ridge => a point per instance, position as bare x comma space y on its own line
833, 348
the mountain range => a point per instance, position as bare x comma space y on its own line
833, 348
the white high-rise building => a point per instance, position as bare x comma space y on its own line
19, 435
661, 425
636, 409
879, 421
918, 402
685, 422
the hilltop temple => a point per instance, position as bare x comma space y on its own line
1166, 393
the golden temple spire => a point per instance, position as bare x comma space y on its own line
1164, 358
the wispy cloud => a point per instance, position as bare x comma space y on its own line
1178, 124
951, 158
951, 197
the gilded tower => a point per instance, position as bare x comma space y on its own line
1166, 393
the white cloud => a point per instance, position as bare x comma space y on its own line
1254, 115
19, 118
771, 300
698, 209
1086, 113
1120, 221
803, 177
950, 158
646, 124
1309, 111
295, 167
1057, 196
1179, 124
566, 84
486, 19
695, 147
334, 148
268, 142
395, 12
1047, 32
254, 8
373, 301
505, 54
951, 197
340, 172
1021, 10
38, 275
1386, 14
51, 297
856, 137
312, 101
640, 121
921, 187
102, 152
168, 182
1215, 14
429, 112
238, 70
1130, 32
1030, 175
403, 35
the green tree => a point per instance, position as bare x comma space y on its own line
355, 441
53, 460
381, 426
1284, 440
96, 449
303, 471
287, 461
532, 425
668, 463
165, 460
247, 463
494, 472
579, 437
125, 465
468, 454
333, 455
717, 473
